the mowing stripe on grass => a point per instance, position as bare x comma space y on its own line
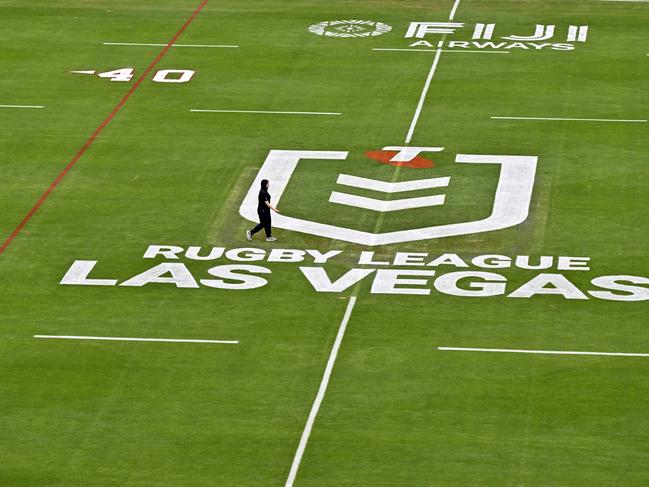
546, 352
443, 50
99, 129
571, 119
126, 339
264, 111
162, 45
22, 106
320, 396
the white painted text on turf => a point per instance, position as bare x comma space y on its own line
449, 274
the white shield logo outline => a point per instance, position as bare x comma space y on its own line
510, 208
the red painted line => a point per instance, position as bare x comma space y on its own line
98, 130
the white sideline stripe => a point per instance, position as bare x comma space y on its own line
321, 393
628, 1
547, 352
443, 50
22, 106
124, 339
422, 98
385, 187
162, 45
570, 119
384, 206
264, 111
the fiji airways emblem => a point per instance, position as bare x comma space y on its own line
350, 28
483, 35
510, 204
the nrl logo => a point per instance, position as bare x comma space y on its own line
350, 28
510, 205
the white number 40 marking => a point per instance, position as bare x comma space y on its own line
124, 74
162, 76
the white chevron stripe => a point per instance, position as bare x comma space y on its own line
385, 206
397, 187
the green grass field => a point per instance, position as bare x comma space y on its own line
396, 410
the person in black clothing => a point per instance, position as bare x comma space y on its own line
263, 210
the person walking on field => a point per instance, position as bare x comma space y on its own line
263, 210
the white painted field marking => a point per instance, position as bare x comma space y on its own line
398, 187
164, 45
570, 119
431, 73
510, 207
22, 106
627, 1
321, 393
124, 339
422, 98
546, 352
385, 206
265, 111
454, 10
443, 50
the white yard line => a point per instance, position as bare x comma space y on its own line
321, 393
546, 352
454, 10
124, 339
431, 73
264, 111
22, 106
422, 98
570, 119
164, 45
443, 50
